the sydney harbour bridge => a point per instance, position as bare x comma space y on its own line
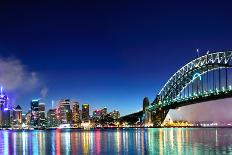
205, 78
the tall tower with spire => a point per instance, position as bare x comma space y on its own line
4, 109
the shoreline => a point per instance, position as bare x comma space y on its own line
110, 128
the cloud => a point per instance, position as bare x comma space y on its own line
44, 92
15, 76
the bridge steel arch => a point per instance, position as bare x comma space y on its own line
170, 97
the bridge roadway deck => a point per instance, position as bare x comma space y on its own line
199, 99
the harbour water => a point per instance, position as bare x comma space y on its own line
118, 141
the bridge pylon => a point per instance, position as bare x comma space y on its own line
158, 117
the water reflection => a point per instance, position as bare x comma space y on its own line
118, 141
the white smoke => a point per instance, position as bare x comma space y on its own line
219, 110
44, 92
14, 75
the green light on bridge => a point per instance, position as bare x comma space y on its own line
223, 89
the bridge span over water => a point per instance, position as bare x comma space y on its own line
205, 78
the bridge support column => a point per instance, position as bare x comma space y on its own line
158, 117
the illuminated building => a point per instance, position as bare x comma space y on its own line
4, 110
80, 113
85, 112
41, 114
97, 115
6, 121
52, 118
17, 116
115, 114
4, 100
104, 111
64, 112
34, 113
28, 118
75, 114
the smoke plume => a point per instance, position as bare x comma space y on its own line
15, 76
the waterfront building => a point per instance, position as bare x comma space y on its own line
52, 118
75, 114
80, 115
64, 111
28, 118
115, 114
4, 110
4, 100
104, 111
35, 113
85, 112
6, 118
97, 115
41, 114
17, 117
103, 115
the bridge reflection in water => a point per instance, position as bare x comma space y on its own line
118, 141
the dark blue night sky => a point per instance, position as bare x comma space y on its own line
109, 53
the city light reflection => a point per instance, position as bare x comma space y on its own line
24, 138
35, 144
58, 142
6, 142
118, 141
66, 138
85, 141
98, 141
74, 142
13, 135
161, 141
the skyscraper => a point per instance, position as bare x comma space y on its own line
34, 113
80, 113
52, 118
41, 114
6, 122
17, 116
4, 110
97, 115
85, 112
4, 100
104, 111
115, 114
64, 111
75, 114
28, 118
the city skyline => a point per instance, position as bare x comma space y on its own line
102, 54
115, 77
66, 114
11, 106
